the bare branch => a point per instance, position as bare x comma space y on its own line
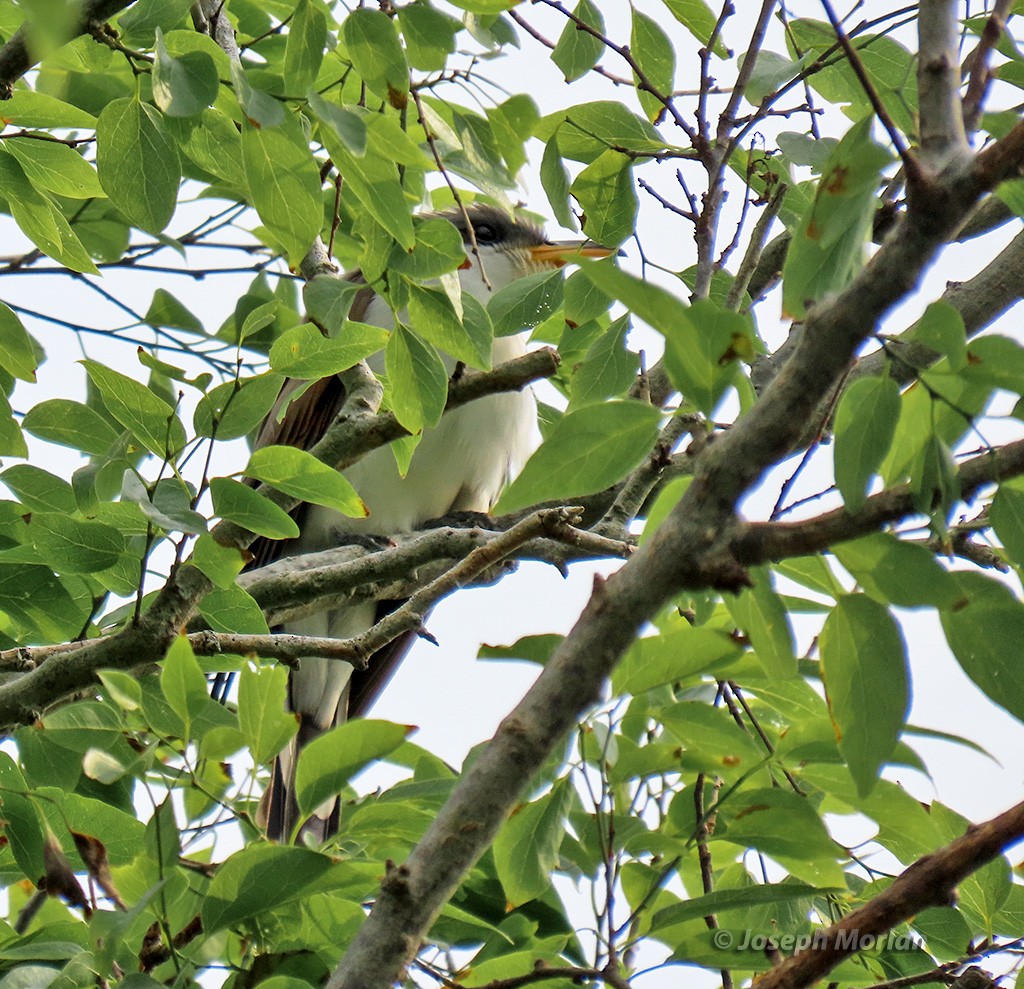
762, 542
18, 56
938, 84
976, 64
690, 550
930, 881
910, 163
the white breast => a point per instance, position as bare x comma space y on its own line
461, 465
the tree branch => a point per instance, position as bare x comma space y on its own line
938, 84
930, 881
17, 55
690, 550
764, 542
354, 432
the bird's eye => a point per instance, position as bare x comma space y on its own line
485, 233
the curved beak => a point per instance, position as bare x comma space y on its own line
561, 252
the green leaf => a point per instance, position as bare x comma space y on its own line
526, 848
712, 739
652, 48
21, 823
373, 181
344, 124
828, 248
330, 761
240, 504
184, 86
607, 369
725, 900
438, 250
28, 108
941, 327
36, 599
983, 629
577, 51
554, 177
301, 475
864, 666
122, 688
72, 546
667, 499
512, 125
144, 18
137, 163
166, 310
12, 440
781, 824
889, 66
261, 109
213, 143
484, 7
529, 649
222, 564
284, 184
699, 19
39, 490
266, 724
234, 611
17, 348
182, 682
526, 302
376, 53
304, 352
237, 408
673, 656
429, 36
239, 890
55, 167
151, 420
704, 365
1007, 517
934, 479
304, 48
328, 300
996, 361
893, 571
932, 409
40, 220
606, 194
761, 613
418, 381
587, 451
168, 507
434, 318
588, 130
865, 425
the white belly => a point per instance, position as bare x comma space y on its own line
462, 465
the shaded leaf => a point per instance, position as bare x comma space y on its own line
586, 451
864, 666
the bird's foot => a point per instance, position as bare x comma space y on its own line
366, 540
462, 520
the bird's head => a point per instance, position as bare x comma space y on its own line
511, 247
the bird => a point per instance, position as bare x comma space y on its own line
460, 465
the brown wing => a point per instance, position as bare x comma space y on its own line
303, 425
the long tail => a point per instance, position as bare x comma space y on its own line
281, 817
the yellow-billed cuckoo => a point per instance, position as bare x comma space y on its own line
460, 465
